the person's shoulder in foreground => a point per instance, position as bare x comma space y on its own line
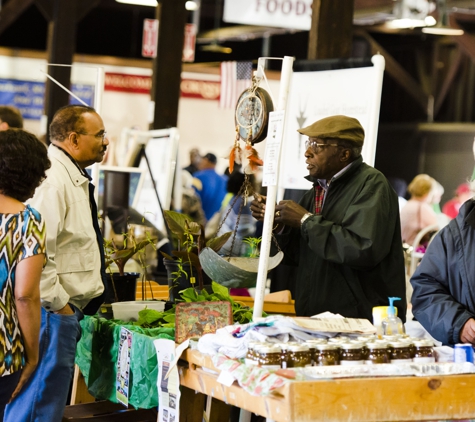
443, 282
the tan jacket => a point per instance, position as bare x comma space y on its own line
72, 273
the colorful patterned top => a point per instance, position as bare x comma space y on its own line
21, 235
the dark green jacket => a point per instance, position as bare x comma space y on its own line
350, 257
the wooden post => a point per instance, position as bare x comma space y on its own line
63, 17
166, 76
330, 34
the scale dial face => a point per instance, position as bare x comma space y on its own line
252, 113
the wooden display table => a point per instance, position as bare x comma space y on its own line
363, 399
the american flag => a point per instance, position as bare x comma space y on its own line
235, 78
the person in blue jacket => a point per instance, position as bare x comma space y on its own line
443, 300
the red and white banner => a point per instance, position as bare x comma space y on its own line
139, 84
150, 38
295, 14
190, 42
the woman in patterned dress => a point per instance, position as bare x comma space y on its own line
23, 163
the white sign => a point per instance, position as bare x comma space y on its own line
295, 14
150, 38
274, 139
314, 95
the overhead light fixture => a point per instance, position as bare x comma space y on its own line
442, 30
441, 27
191, 5
216, 48
405, 23
152, 3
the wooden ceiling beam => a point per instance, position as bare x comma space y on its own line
407, 82
11, 11
331, 29
448, 81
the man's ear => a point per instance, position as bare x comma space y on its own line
4, 126
73, 140
345, 155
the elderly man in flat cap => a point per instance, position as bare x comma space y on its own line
345, 234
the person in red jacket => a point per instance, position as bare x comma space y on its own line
462, 194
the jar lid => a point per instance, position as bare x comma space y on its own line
298, 348
391, 337
424, 343
355, 345
285, 346
399, 345
327, 346
271, 348
369, 337
373, 345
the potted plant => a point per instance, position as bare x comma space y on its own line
121, 286
184, 267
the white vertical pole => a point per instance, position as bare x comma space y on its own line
98, 92
270, 202
371, 135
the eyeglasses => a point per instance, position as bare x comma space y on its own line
316, 146
98, 136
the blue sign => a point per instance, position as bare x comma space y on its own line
28, 96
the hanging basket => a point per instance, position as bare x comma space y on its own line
234, 271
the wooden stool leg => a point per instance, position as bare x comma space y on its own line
220, 411
79, 393
192, 405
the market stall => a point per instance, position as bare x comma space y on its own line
409, 398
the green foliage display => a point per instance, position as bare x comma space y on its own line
150, 318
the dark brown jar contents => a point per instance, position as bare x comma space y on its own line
298, 356
400, 352
270, 356
326, 354
351, 353
376, 353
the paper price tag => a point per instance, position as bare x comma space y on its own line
272, 154
226, 378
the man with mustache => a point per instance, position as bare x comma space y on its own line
345, 234
72, 281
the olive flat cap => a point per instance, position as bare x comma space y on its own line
341, 127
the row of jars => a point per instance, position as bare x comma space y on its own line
340, 352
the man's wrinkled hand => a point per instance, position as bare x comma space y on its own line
468, 332
258, 207
289, 213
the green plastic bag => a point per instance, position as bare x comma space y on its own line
96, 356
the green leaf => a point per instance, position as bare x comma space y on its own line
189, 295
216, 243
165, 255
176, 223
223, 291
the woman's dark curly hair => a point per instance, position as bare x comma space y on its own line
23, 163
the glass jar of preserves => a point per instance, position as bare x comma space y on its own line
351, 353
284, 354
326, 354
270, 356
400, 352
252, 356
298, 356
424, 351
410, 343
377, 352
